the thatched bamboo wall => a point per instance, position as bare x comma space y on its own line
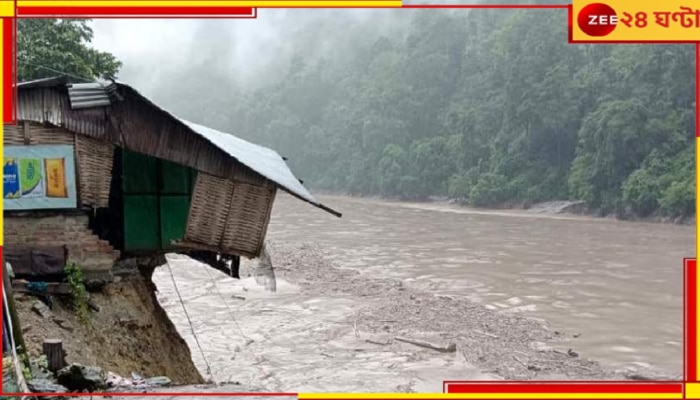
93, 157
230, 215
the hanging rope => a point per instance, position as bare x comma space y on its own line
238, 326
172, 277
223, 300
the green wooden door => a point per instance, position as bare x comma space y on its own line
156, 201
141, 227
173, 211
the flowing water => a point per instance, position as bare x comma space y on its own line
617, 284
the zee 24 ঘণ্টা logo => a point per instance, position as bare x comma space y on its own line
600, 19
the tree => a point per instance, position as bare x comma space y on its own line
51, 47
493, 107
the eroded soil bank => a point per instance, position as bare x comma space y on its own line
130, 333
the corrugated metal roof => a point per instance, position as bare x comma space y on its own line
87, 95
262, 160
82, 95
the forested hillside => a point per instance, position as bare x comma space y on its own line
490, 106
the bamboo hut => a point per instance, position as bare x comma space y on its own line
95, 172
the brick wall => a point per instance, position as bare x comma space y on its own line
85, 249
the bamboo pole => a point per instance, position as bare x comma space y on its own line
11, 306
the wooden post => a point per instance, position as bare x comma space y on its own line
56, 358
16, 326
27, 134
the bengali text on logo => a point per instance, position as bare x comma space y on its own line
637, 21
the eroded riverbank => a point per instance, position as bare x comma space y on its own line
130, 333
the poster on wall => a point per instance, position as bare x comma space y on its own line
39, 177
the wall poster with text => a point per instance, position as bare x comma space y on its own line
39, 177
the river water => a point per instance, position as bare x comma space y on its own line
619, 285
616, 286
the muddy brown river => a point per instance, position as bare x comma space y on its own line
616, 285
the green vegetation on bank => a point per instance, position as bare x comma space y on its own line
74, 276
490, 106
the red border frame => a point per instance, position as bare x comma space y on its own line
591, 387
485, 387
690, 320
136, 12
9, 66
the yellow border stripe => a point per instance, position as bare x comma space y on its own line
303, 396
692, 390
7, 9
205, 3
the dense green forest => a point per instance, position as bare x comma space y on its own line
492, 107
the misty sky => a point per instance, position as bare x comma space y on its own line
154, 50
249, 52
201, 54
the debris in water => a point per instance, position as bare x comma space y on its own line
486, 334
378, 343
450, 348
519, 361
